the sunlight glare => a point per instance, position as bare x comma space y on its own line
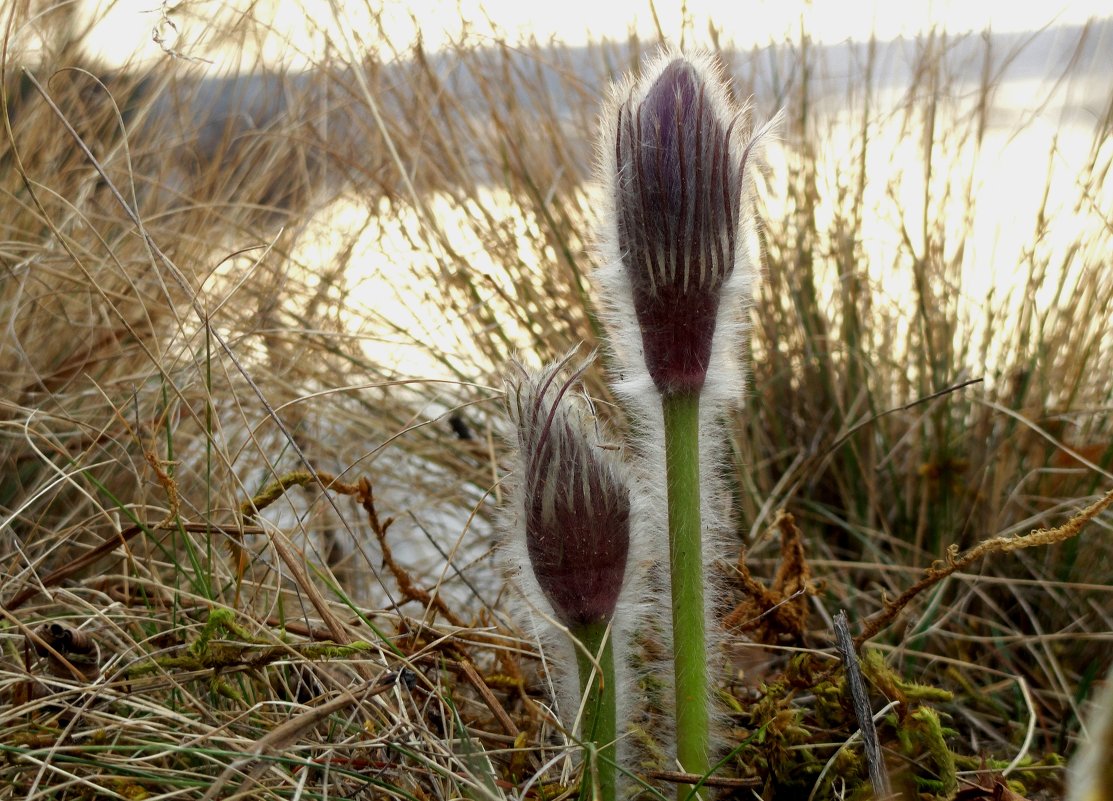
298, 32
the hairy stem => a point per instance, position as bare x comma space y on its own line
681, 414
599, 726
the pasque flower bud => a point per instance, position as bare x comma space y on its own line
573, 509
574, 504
673, 172
678, 245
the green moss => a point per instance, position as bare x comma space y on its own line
248, 651
923, 735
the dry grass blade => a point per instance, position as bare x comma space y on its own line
284, 735
879, 776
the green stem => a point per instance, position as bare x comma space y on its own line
693, 720
599, 719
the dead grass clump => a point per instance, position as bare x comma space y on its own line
206, 304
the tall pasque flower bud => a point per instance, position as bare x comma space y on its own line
673, 172
573, 512
677, 243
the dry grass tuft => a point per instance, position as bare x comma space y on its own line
250, 458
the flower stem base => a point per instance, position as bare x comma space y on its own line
693, 723
598, 726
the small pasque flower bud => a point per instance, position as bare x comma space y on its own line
673, 171
574, 505
573, 508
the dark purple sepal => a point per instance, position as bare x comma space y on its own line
678, 192
577, 507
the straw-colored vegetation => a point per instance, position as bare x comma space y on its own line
244, 554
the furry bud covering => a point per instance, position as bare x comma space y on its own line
676, 237
574, 503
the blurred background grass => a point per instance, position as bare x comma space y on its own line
274, 243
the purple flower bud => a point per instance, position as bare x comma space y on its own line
677, 192
574, 503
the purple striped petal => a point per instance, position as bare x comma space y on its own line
678, 193
576, 504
